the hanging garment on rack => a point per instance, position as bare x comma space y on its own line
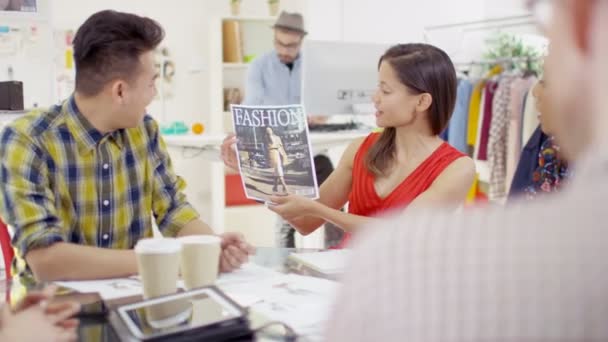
457, 129
528, 163
530, 119
446, 133
472, 127
497, 144
488, 113
473, 121
474, 110
479, 123
519, 89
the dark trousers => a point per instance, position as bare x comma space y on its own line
333, 234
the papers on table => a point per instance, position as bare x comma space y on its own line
299, 301
248, 273
329, 263
108, 289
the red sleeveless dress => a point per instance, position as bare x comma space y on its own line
363, 199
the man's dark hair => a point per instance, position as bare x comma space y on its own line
108, 46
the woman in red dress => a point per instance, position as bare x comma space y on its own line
407, 165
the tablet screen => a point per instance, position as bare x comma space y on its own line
185, 311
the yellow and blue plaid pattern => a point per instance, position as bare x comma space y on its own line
62, 180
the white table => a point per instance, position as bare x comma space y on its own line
209, 144
7, 116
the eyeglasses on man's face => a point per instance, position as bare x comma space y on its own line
287, 46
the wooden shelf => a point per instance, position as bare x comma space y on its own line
245, 18
236, 65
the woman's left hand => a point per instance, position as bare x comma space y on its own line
291, 206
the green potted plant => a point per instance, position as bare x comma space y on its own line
273, 7
235, 7
515, 53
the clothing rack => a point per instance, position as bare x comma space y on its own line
508, 20
498, 61
500, 26
485, 24
508, 63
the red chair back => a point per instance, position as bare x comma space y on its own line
7, 249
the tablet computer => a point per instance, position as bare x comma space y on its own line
204, 313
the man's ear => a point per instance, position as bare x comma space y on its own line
118, 88
582, 23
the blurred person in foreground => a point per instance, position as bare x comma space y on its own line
37, 318
533, 271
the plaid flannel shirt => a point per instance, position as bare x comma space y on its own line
64, 181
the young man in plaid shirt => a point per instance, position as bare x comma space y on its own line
82, 180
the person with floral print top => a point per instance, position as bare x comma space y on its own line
551, 173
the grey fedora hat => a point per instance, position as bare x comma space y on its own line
291, 22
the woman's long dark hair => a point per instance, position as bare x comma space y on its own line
422, 68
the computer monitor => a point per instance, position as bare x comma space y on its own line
19, 5
339, 77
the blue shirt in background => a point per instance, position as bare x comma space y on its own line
457, 129
271, 82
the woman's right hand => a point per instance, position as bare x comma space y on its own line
228, 151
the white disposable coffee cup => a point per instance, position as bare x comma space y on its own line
158, 265
200, 258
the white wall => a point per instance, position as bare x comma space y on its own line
185, 22
399, 21
186, 26
183, 27
27, 55
501, 8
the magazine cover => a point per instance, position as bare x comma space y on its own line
275, 157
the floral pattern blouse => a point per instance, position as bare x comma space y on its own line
551, 173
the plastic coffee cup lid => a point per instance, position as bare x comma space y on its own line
158, 246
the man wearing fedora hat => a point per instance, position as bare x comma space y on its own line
275, 79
